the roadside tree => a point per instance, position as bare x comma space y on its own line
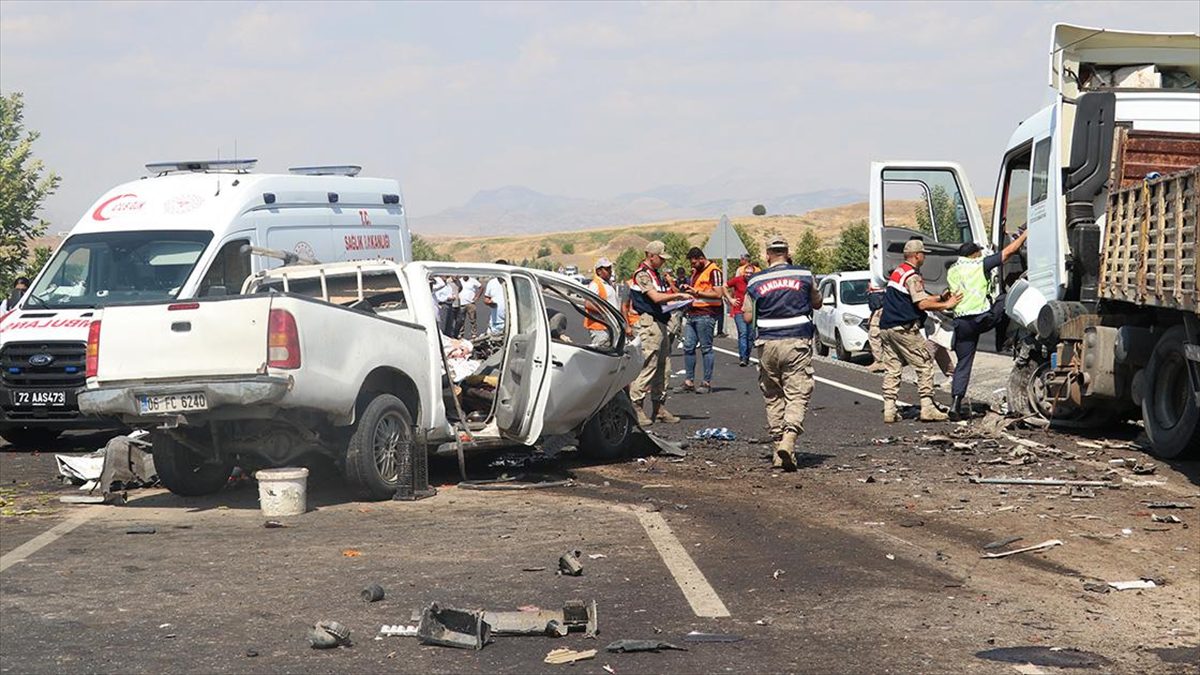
24, 186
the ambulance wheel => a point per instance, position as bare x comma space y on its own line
1169, 404
375, 453
184, 472
606, 435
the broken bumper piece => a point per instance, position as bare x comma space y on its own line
453, 628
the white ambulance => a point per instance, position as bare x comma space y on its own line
183, 232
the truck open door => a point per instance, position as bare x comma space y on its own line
931, 201
522, 393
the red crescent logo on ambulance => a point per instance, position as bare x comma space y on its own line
114, 205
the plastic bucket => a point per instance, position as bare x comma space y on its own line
282, 492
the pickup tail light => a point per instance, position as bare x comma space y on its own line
283, 340
93, 350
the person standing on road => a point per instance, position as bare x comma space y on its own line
901, 333
875, 304
648, 293
493, 297
779, 303
445, 294
601, 285
466, 307
707, 286
737, 296
977, 313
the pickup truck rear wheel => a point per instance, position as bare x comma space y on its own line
184, 472
1169, 404
383, 435
606, 435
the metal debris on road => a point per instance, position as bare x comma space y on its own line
1038, 481
372, 593
141, 530
552, 623
1045, 545
1139, 584
596, 556
398, 630
608, 669
519, 482
273, 525
458, 628
569, 565
1165, 519
697, 636
665, 447
626, 646
716, 434
1095, 587
563, 655
1168, 505
328, 634
1053, 657
887, 440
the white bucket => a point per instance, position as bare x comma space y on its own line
282, 492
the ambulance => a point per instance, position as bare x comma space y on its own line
187, 230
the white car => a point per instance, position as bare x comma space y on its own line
843, 321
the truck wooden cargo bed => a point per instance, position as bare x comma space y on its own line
1149, 255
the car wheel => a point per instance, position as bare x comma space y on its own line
31, 438
1169, 404
822, 348
842, 353
381, 438
606, 435
184, 472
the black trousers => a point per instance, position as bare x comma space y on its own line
967, 330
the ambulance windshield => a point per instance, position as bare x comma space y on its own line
107, 268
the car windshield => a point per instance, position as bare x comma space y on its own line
854, 292
107, 268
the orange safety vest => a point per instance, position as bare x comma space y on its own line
702, 281
602, 290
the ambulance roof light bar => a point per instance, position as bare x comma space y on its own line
204, 165
331, 170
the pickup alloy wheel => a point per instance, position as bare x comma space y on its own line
606, 435
377, 449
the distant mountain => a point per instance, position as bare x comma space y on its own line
517, 209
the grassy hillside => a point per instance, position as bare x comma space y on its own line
586, 246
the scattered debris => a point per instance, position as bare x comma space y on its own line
273, 525
563, 655
625, 646
697, 636
596, 556
1165, 519
763, 622
351, 553
778, 573
518, 482
1143, 469
890, 556
1001, 543
141, 530
552, 623
1037, 481
1096, 587
1048, 544
1168, 505
533, 569
716, 434
328, 634
372, 593
608, 669
569, 565
889, 440
1053, 657
665, 446
398, 630
448, 627
652, 486
1139, 584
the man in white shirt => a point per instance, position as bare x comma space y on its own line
493, 297
602, 285
444, 294
466, 307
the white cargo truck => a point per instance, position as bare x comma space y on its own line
177, 234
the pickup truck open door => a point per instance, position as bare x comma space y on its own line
931, 201
523, 392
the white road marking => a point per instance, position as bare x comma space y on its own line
822, 380
46, 538
700, 595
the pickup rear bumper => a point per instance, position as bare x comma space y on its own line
247, 391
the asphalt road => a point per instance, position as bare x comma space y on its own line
866, 560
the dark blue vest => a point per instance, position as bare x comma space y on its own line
642, 304
898, 307
782, 302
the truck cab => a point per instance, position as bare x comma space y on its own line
179, 233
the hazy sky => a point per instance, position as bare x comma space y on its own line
586, 100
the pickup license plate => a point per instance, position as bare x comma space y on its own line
171, 403
42, 399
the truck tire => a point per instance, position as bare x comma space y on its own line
30, 438
1019, 383
843, 354
606, 435
1169, 404
373, 456
185, 473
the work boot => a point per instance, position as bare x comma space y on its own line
661, 414
890, 414
785, 452
957, 411
642, 419
931, 413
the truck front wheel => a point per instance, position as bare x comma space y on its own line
606, 435
1169, 404
184, 472
373, 457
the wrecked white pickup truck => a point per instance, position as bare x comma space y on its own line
345, 361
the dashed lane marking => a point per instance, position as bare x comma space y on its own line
699, 593
823, 380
